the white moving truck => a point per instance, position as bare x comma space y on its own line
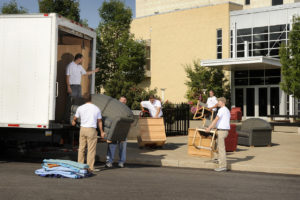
35, 50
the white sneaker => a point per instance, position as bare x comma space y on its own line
221, 169
121, 165
108, 165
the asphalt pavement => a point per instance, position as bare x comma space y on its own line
18, 181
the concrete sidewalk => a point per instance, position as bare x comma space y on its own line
283, 157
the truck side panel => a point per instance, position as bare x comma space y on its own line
25, 61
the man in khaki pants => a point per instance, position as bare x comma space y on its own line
90, 116
222, 122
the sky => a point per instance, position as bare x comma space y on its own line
88, 8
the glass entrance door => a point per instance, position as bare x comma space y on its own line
274, 100
239, 98
259, 101
250, 101
263, 101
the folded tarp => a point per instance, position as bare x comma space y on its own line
63, 168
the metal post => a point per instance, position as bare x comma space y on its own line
234, 54
246, 49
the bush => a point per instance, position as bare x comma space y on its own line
135, 95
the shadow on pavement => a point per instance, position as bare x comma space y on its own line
167, 146
232, 160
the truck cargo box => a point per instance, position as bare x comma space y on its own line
35, 50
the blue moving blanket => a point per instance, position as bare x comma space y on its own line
65, 168
67, 163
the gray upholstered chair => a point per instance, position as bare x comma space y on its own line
255, 132
116, 116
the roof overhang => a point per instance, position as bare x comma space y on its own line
256, 62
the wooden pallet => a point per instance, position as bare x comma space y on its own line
152, 132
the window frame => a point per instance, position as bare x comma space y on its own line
219, 42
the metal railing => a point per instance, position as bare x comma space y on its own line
176, 119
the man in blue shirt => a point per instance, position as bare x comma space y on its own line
112, 148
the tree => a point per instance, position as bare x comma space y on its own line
290, 60
67, 8
84, 22
134, 94
121, 59
202, 79
12, 8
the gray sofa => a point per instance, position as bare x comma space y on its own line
255, 132
116, 116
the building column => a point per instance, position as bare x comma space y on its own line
256, 102
269, 101
234, 31
282, 103
245, 103
232, 89
291, 105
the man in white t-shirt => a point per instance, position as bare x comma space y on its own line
73, 75
154, 107
222, 122
212, 102
90, 117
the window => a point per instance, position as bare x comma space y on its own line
257, 81
241, 74
256, 73
277, 2
277, 36
260, 52
247, 2
242, 39
219, 44
240, 54
263, 41
260, 45
245, 31
148, 56
277, 28
257, 77
262, 37
259, 30
273, 72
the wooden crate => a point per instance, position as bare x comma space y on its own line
205, 141
152, 132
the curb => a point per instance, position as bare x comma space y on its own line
203, 165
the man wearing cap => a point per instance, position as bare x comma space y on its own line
73, 75
111, 148
222, 123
